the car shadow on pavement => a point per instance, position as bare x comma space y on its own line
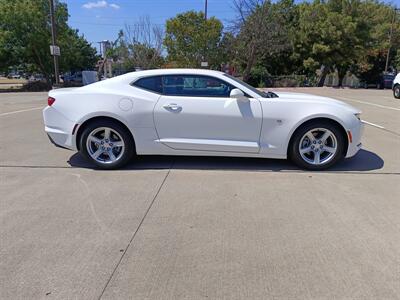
364, 161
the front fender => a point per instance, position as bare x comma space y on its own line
282, 119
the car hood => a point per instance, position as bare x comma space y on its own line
308, 98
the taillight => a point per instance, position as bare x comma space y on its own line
50, 101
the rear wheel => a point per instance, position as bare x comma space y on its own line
396, 91
107, 144
317, 146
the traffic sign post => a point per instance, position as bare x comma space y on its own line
55, 50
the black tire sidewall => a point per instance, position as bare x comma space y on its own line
397, 87
126, 136
294, 153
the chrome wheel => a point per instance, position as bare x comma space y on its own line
105, 145
318, 146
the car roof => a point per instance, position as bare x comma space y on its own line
173, 71
129, 77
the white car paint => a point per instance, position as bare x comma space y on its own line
178, 125
396, 79
396, 84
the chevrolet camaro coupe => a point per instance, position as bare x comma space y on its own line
396, 86
199, 113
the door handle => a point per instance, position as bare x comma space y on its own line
172, 106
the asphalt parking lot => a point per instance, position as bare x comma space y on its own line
193, 228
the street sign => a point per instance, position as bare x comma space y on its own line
204, 63
54, 50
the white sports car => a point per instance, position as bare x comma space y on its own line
199, 112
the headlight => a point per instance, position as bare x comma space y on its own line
358, 116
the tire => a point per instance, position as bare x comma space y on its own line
107, 144
305, 149
396, 91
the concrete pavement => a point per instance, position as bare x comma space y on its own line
193, 228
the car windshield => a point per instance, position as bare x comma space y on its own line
253, 89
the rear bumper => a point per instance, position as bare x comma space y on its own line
54, 143
355, 145
59, 128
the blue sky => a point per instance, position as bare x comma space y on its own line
101, 19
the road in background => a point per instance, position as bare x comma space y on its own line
176, 227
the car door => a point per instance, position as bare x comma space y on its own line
195, 112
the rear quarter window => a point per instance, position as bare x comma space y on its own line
153, 84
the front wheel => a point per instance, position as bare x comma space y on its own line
317, 146
396, 91
107, 144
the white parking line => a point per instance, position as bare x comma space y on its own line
372, 124
389, 98
369, 103
18, 111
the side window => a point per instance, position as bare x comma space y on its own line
152, 84
195, 86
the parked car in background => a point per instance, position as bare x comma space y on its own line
14, 76
387, 81
396, 87
73, 77
382, 81
199, 112
36, 77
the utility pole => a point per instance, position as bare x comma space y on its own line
53, 41
390, 38
204, 63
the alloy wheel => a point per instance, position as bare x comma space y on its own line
105, 145
318, 146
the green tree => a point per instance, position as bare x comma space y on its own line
138, 46
397, 61
261, 32
190, 39
144, 44
345, 36
25, 37
378, 20
329, 36
282, 38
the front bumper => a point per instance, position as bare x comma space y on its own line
355, 145
59, 128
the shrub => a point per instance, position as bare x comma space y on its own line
36, 86
72, 84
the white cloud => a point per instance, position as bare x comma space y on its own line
98, 4
115, 6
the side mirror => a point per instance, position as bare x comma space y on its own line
237, 94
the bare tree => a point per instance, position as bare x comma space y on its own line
144, 42
259, 31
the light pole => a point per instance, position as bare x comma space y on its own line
390, 37
53, 42
205, 9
